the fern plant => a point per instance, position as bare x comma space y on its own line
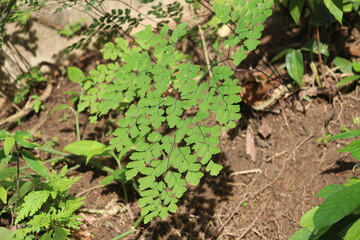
49, 210
172, 113
40, 208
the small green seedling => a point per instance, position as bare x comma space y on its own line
347, 67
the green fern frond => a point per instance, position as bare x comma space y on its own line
157, 88
39, 222
32, 204
50, 210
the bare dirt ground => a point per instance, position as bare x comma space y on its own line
255, 199
261, 199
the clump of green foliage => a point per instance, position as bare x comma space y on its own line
319, 14
167, 103
49, 211
38, 208
27, 81
338, 217
351, 68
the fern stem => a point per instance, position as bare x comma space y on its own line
319, 55
126, 197
131, 230
205, 50
77, 126
17, 183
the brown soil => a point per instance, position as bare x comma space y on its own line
291, 166
266, 202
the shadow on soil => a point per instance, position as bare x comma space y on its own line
341, 166
193, 220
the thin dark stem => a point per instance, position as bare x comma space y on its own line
319, 53
126, 196
17, 183
103, 13
8, 10
268, 64
145, 15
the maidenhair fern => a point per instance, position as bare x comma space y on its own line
172, 118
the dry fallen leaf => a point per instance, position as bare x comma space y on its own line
253, 93
250, 143
88, 218
355, 50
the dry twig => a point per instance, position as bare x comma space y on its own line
27, 108
256, 170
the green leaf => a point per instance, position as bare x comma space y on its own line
302, 234
213, 168
22, 138
222, 10
154, 137
194, 177
131, 173
173, 207
281, 54
295, 65
251, 44
239, 55
295, 8
7, 172
178, 32
88, 148
146, 182
352, 181
329, 190
175, 182
356, 66
8, 144
348, 79
3, 195
344, 135
107, 180
61, 107
35, 164
307, 220
336, 8
75, 74
163, 214
119, 175
312, 46
5, 233
353, 148
60, 233
344, 64
32, 203
24, 189
3, 134
353, 233
337, 206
